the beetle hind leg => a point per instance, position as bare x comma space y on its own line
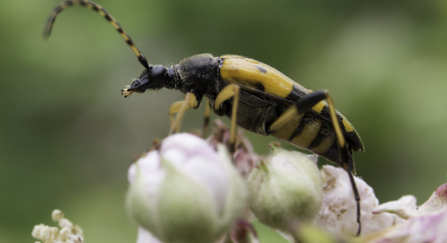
230, 91
314, 101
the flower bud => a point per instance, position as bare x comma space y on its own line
186, 191
285, 189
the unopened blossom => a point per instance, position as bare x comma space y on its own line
186, 191
284, 189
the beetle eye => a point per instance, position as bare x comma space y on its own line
135, 84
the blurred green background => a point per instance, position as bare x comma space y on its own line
67, 136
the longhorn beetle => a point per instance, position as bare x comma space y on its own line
253, 95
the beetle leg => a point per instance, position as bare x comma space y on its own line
206, 119
231, 90
179, 107
308, 102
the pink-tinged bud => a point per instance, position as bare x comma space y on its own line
186, 191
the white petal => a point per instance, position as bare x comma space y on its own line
190, 145
151, 172
211, 175
148, 164
176, 156
145, 236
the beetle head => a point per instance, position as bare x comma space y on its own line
152, 78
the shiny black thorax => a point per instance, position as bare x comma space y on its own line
200, 75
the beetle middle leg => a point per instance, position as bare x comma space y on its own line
305, 104
231, 90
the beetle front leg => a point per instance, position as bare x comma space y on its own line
180, 107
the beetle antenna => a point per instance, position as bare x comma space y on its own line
102, 12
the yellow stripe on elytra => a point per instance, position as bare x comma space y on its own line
246, 72
324, 146
285, 131
307, 136
347, 125
319, 106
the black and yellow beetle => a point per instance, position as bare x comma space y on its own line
253, 95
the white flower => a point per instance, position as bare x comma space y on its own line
403, 207
428, 223
186, 192
396, 221
285, 189
68, 232
338, 213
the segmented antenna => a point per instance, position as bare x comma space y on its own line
103, 13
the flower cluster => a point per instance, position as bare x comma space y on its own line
68, 233
187, 189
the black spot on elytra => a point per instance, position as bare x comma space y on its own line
260, 87
263, 70
296, 94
